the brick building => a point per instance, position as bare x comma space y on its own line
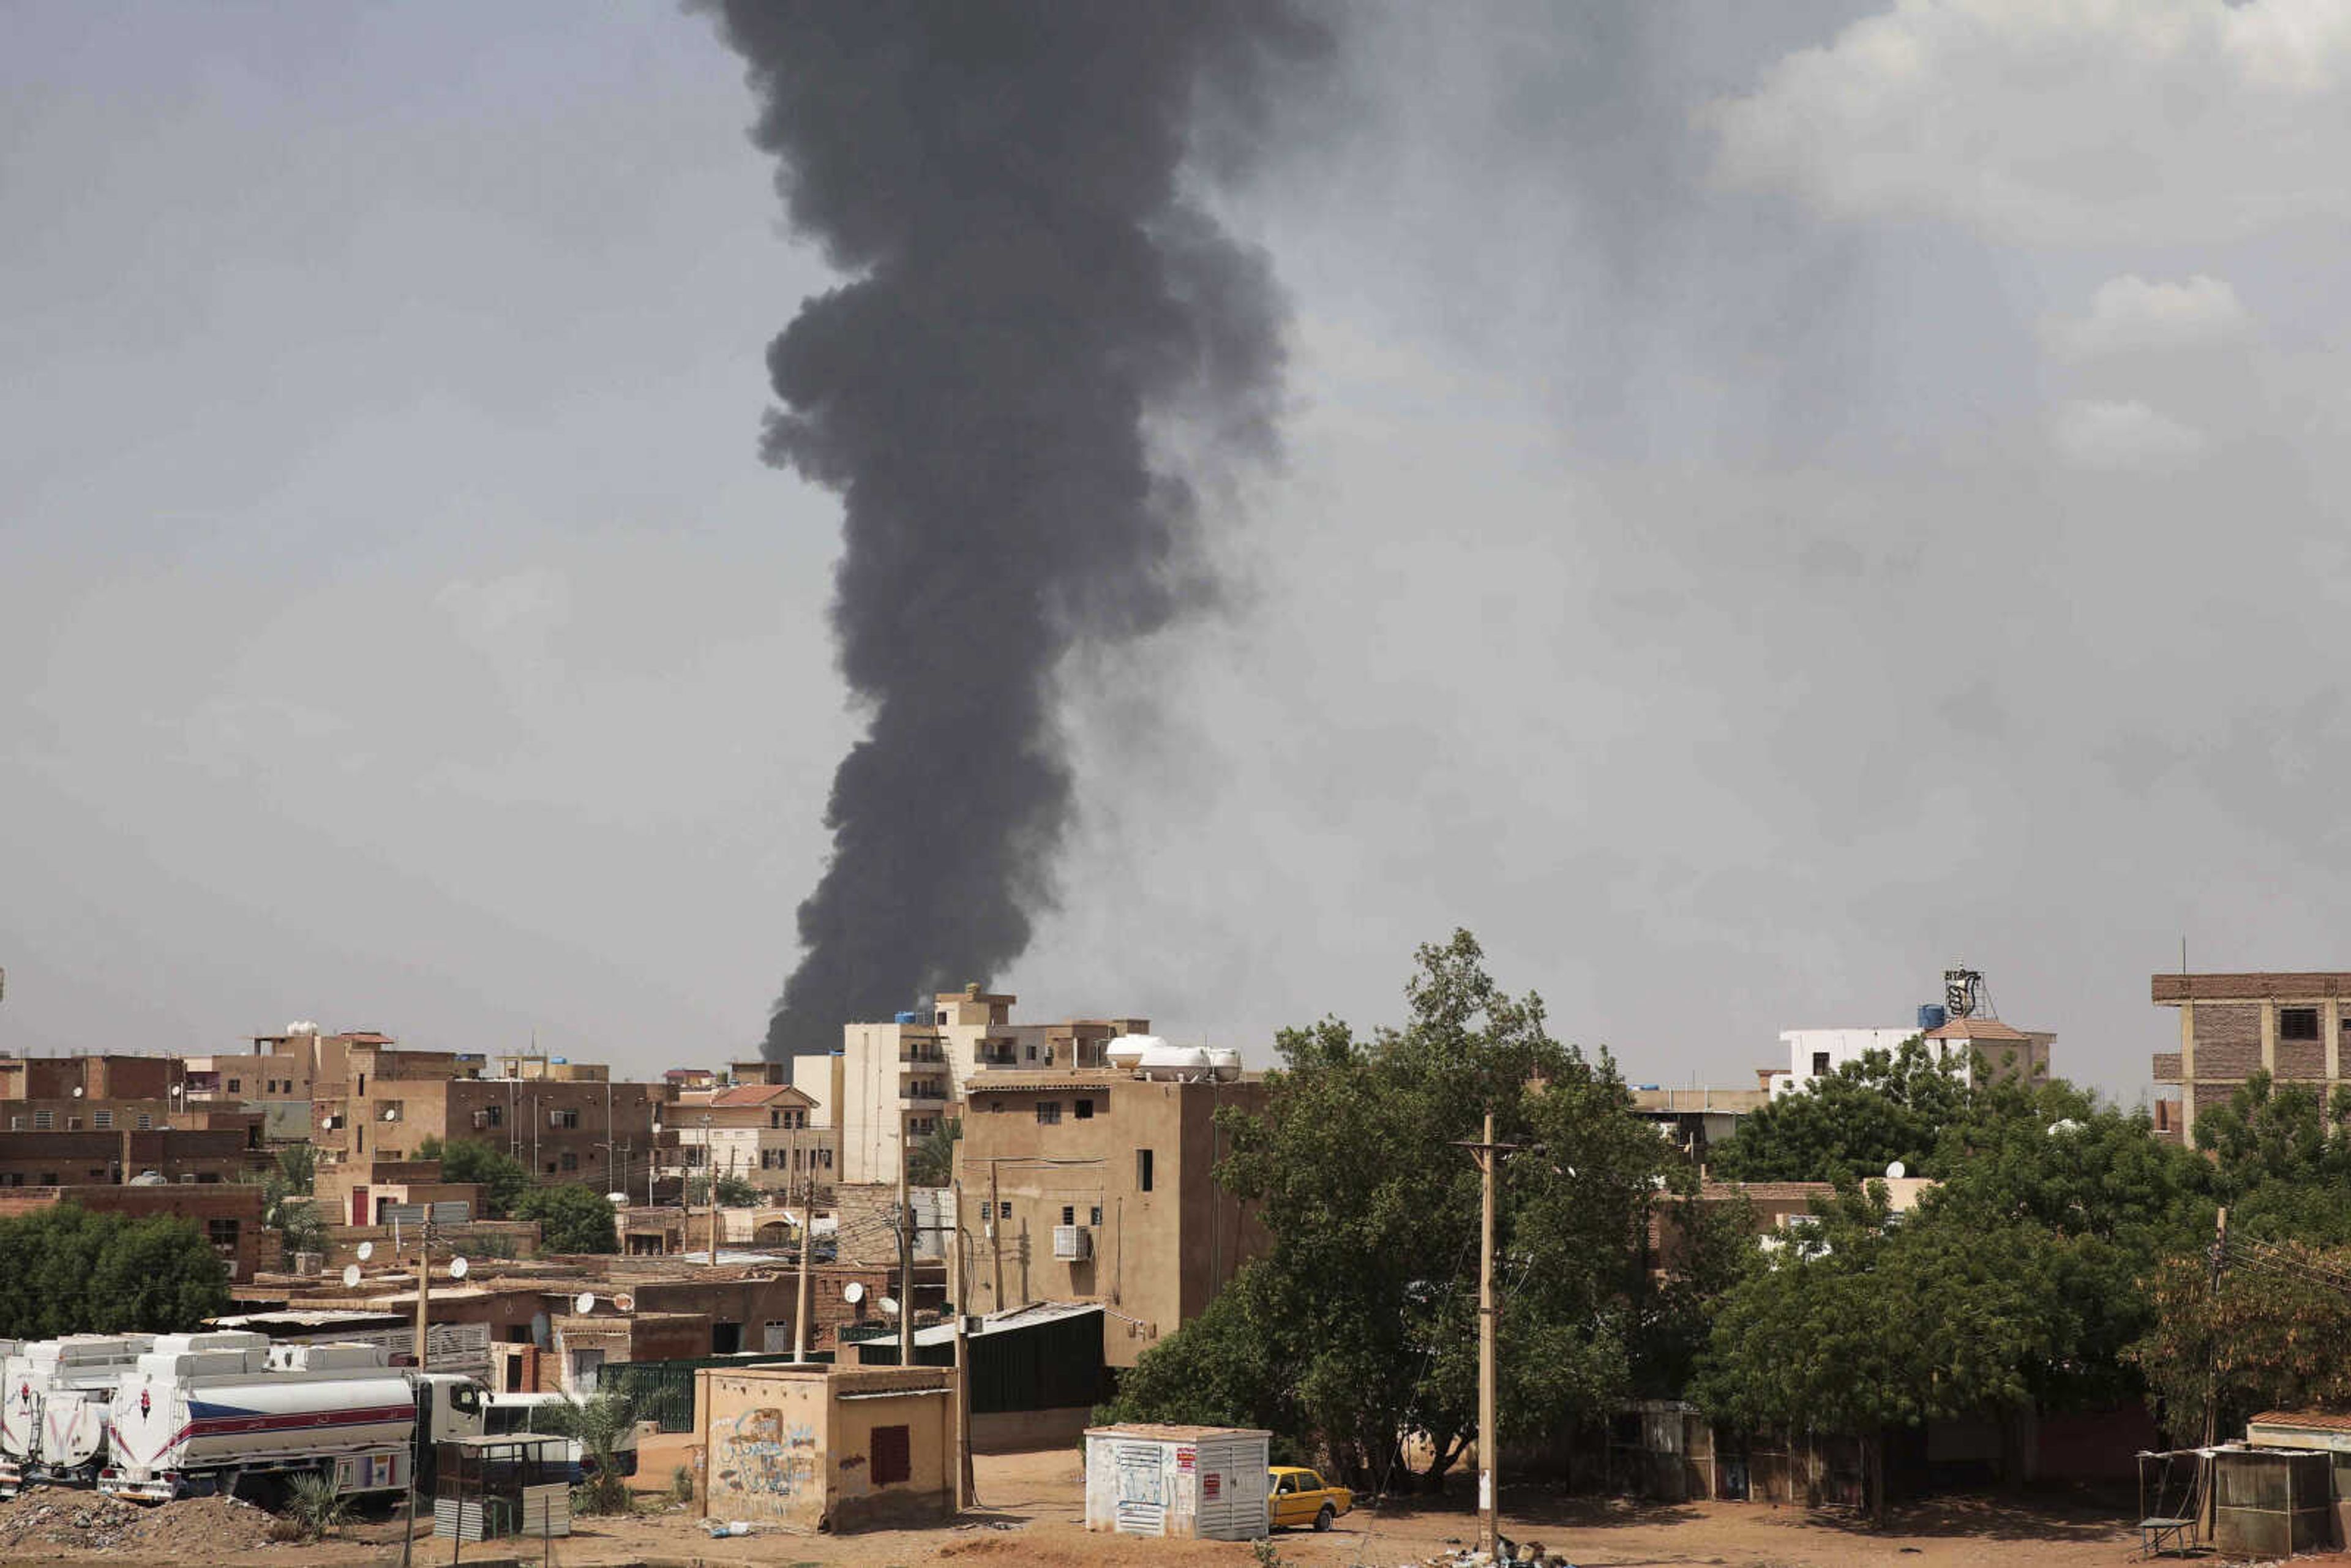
2290, 1025
564, 1122
70, 1156
763, 1132
1096, 1184
229, 1216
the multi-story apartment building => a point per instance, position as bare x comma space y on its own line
273, 1078
893, 1084
564, 1121
1097, 1185
762, 1132
2293, 1026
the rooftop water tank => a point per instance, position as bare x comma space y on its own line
1165, 1061
1224, 1063
909, 1018
1128, 1050
1931, 1015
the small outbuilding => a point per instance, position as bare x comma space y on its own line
811, 1446
1207, 1483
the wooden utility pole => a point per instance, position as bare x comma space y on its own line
424, 1286
1488, 1155
2212, 1358
710, 1188
807, 1249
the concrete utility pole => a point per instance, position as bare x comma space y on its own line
1488, 1155
423, 1285
807, 1249
905, 1263
965, 1492
994, 1239
710, 1188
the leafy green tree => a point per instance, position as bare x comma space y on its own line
1851, 1124
298, 1165
1358, 1326
572, 1217
734, 1192
2281, 1161
68, 1270
1861, 1326
502, 1178
931, 1161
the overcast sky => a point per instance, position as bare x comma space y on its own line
1780, 497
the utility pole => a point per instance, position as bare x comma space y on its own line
710, 1188
994, 1239
807, 1249
965, 1492
2212, 1361
423, 1285
1488, 1155
905, 1261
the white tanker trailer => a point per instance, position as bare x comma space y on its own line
53, 1396
186, 1420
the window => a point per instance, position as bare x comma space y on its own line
1049, 1113
49, 1178
147, 1124
775, 1118
44, 1119
1142, 1170
2297, 1023
1032, 1054
1086, 1110
1096, 1221
16, 1124
102, 1120
1068, 1214
943, 1017
236, 1085
1819, 1063
563, 1119
893, 1454
495, 1116
221, 1233
359, 1140
571, 1161
73, 1123
1004, 1210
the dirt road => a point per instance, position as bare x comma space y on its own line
1035, 1517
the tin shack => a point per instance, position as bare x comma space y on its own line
1203, 1482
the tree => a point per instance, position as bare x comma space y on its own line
502, 1178
1859, 1326
734, 1192
1358, 1326
286, 1204
298, 1165
931, 1161
600, 1424
572, 1217
1851, 1125
2270, 1337
68, 1270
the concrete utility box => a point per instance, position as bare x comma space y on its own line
818, 1447
1207, 1483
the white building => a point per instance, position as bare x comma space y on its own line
1820, 1052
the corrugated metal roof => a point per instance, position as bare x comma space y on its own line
2313, 1420
1009, 1320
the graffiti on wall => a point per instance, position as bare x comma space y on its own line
759, 1455
1142, 1496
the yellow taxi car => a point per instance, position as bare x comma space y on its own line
1294, 1496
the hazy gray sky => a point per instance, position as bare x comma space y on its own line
1780, 497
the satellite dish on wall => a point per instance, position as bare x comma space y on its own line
585, 1303
889, 1305
625, 1303
351, 1276
77, 1094
852, 1292
1896, 1171
367, 1250
457, 1267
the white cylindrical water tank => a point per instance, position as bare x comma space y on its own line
1128, 1050
1224, 1063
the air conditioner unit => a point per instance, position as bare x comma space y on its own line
1074, 1243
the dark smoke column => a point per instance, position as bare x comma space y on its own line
1005, 185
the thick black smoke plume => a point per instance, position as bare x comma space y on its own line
1005, 181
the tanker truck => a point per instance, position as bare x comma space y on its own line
187, 1419
53, 1396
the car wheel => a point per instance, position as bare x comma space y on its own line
1322, 1520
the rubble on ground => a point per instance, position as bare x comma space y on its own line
1524, 1554
197, 1527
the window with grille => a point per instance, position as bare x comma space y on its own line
571, 1161
893, 1454
2297, 1023
42, 1122
1049, 1113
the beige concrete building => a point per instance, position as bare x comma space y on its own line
896, 1082
812, 1448
763, 1132
2290, 1025
1095, 1185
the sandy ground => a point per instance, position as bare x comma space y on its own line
1036, 1502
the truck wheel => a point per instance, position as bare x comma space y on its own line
1322, 1520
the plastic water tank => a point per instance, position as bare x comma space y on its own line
1224, 1063
909, 1017
1932, 1015
1128, 1050
1163, 1061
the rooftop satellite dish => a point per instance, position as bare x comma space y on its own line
351, 1276
1896, 1171
852, 1292
625, 1303
178, 1090
585, 1303
457, 1267
77, 1094
889, 1305
367, 1250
